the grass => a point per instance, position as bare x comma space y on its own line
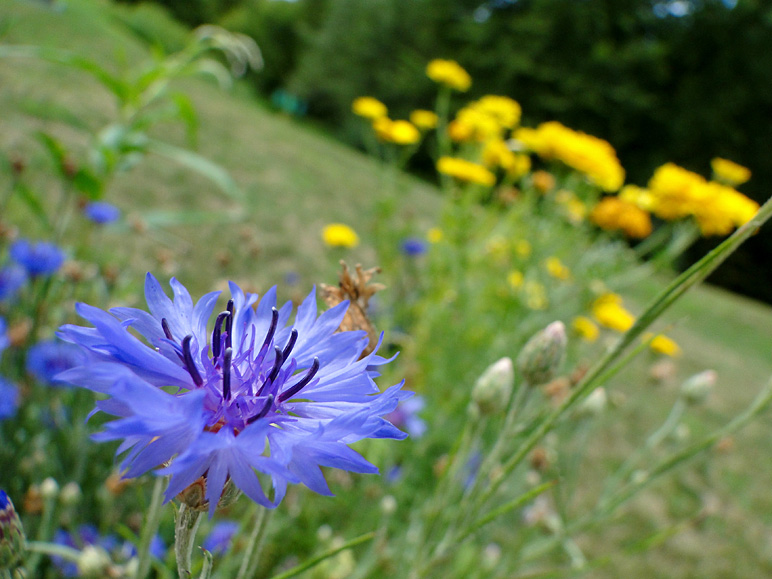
296, 179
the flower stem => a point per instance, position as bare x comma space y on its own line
186, 525
255, 544
149, 529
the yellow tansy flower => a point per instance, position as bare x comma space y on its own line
434, 235
556, 268
661, 344
449, 73
398, 132
610, 313
464, 170
586, 328
729, 172
515, 279
369, 108
339, 235
424, 120
615, 214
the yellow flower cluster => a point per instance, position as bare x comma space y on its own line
424, 120
369, 108
557, 268
729, 172
485, 119
590, 155
339, 235
610, 313
616, 214
677, 193
497, 154
661, 344
399, 132
466, 171
585, 328
449, 73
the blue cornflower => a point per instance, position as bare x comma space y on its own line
413, 246
48, 358
12, 277
41, 258
4, 341
101, 212
9, 399
262, 395
406, 415
219, 538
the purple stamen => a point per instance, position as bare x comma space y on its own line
167, 331
276, 366
266, 408
226, 373
287, 394
217, 333
271, 328
187, 357
290, 344
229, 325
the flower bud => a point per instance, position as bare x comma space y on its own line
696, 388
70, 494
543, 354
11, 534
93, 561
594, 404
492, 390
49, 488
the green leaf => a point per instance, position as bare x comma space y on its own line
171, 218
31, 200
88, 184
57, 151
200, 164
187, 113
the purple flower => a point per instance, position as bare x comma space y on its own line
4, 341
12, 277
9, 399
219, 538
101, 212
41, 258
48, 358
282, 399
413, 246
406, 416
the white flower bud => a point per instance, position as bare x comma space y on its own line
93, 561
696, 388
541, 357
49, 488
493, 388
70, 494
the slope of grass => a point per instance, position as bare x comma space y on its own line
295, 180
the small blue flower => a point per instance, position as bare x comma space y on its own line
12, 277
255, 393
413, 246
406, 416
101, 212
9, 399
4, 341
41, 258
219, 538
48, 358
158, 547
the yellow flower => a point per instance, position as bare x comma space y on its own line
723, 209
661, 344
339, 235
610, 313
515, 279
729, 172
586, 328
615, 214
369, 108
464, 170
638, 196
543, 181
504, 110
523, 248
449, 73
434, 235
424, 120
556, 268
398, 132
585, 153
676, 192
497, 154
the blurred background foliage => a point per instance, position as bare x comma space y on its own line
663, 80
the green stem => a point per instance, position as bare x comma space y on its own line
691, 277
251, 556
313, 561
150, 528
44, 533
186, 525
